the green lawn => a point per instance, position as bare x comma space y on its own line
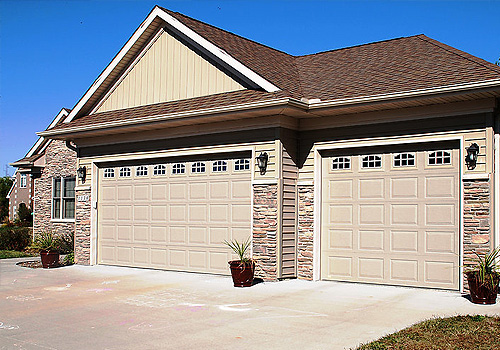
7, 254
459, 332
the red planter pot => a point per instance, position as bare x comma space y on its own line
482, 293
49, 259
242, 273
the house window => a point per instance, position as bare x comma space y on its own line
141, 171
109, 172
63, 198
242, 164
439, 158
178, 168
371, 162
219, 166
159, 170
198, 167
125, 172
404, 159
22, 183
341, 163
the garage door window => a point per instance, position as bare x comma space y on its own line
242, 164
109, 173
141, 171
371, 162
404, 160
219, 166
159, 170
439, 158
198, 168
178, 169
125, 172
63, 198
341, 163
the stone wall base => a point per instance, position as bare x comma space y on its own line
305, 232
82, 231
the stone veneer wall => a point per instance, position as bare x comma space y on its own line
60, 161
305, 228
265, 231
477, 211
82, 232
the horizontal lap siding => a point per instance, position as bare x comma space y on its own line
288, 218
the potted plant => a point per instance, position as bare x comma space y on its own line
48, 245
483, 279
242, 270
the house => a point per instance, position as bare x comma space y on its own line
346, 165
50, 166
20, 192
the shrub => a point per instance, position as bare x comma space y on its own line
24, 216
69, 259
66, 243
15, 238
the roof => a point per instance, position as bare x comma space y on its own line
407, 64
26, 161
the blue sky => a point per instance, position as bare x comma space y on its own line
52, 51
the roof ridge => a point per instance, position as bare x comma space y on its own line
460, 53
359, 45
226, 31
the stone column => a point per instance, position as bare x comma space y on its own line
82, 227
305, 228
265, 229
477, 229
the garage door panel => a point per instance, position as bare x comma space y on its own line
173, 221
391, 222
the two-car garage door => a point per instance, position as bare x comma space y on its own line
173, 215
391, 217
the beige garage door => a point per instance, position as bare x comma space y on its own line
173, 215
391, 217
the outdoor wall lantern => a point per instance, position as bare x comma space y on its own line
262, 162
471, 157
82, 173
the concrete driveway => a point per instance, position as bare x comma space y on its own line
102, 307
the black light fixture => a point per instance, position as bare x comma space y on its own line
262, 162
471, 157
82, 173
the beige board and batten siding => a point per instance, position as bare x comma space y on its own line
392, 223
168, 71
174, 221
289, 216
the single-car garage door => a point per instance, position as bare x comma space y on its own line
173, 215
391, 217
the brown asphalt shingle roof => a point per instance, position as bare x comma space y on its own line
391, 66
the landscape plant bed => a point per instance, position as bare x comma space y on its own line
459, 332
37, 264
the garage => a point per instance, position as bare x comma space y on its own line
173, 215
392, 217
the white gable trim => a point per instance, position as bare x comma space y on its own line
189, 33
36, 147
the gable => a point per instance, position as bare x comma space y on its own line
167, 70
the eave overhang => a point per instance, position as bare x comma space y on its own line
284, 106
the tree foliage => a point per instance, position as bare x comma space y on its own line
24, 215
5, 185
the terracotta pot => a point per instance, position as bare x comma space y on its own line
242, 273
49, 259
482, 293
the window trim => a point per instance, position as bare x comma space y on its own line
343, 163
198, 165
62, 199
375, 160
122, 170
142, 168
450, 156
180, 166
23, 180
216, 164
108, 171
412, 154
242, 163
161, 168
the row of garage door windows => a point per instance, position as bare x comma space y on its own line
399, 160
218, 166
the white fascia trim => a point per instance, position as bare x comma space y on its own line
406, 94
217, 52
12, 187
157, 12
35, 148
162, 117
63, 113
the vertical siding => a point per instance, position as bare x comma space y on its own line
484, 157
289, 216
168, 71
